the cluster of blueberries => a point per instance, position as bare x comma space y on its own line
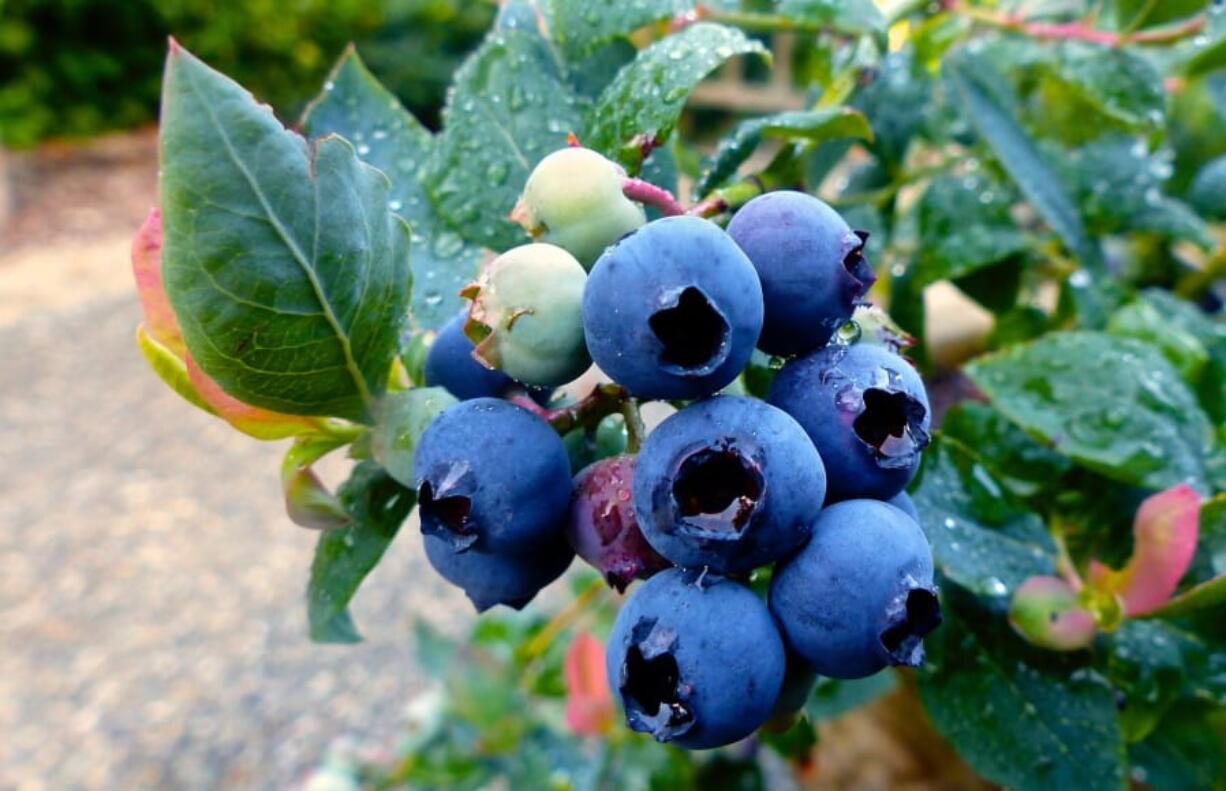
808, 482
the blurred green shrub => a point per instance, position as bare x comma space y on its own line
72, 68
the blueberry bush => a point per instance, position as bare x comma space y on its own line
1006, 497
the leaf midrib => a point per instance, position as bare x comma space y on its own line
329, 315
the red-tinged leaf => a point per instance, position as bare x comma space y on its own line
160, 322
1047, 612
252, 421
307, 501
170, 368
1164, 542
589, 706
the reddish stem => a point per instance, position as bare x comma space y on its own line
604, 400
709, 206
1080, 31
651, 195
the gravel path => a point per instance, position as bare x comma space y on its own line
151, 617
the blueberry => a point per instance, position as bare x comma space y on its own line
865, 409
602, 527
811, 265
859, 596
695, 659
526, 315
673, 310
730, 483
799, 680
902, 501
493, 477
450, 365
573, 198
490, 578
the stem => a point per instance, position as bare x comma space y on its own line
604, 400
649, 194
1064, 561
1080, 31
559, 623
635, 429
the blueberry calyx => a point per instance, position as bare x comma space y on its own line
856, 265
692, 332
912, 614
651, 686
445, 504
716, 491
892, 423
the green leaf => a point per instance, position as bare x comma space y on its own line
170, 369
849, 16
813, 125
1143, 320
400, 420
1185, 318
1019, 462
833, 698
1136, 14
287, 306
964, 226
1210, 560
978, 540
988, 104
1187, 751
378, 506
355, 106
580, 26
1114, 405
509, 106
1022, 717
639, 109
1209, 596
899, 102
1117, 82
1209, 59
1143, 661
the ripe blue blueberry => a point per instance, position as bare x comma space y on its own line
603, 529
695, 659
492, 477
673, 310
865, 409
859, 596
902, 501
490, 578
450, 365
811, 265
729, 483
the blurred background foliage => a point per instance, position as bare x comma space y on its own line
74, 68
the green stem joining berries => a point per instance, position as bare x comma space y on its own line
636, 430
650, 195
604, 400
735, 195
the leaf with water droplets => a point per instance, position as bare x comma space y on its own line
377, 505
509, 106
1021, 716
580, 26
639, 109
965, 226
979, 539
1117, 82
355, 106
814, 125
288, 274
848, 16
1113, 405
1018, 461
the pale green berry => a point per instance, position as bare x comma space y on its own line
574, 199
526, 315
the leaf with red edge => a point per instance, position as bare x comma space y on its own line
160, 322
170, 368
1164, 542
252, 421
1047, 613
307, 501
589, 706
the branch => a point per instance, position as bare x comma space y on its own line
1079, 31
604, 400
649, 194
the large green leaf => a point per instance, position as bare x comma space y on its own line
898, 99
287, 271
355, 106
964, 226
1187, 319
978, 540
813, 125
509, 106
378, 505
1185, 752
1119, 83
1018, 461
1022, 717
580, 26
639, 109
1144, 663
1211, 58
1115, 405
1147, 13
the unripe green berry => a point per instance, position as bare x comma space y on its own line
574, 199
526, 315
